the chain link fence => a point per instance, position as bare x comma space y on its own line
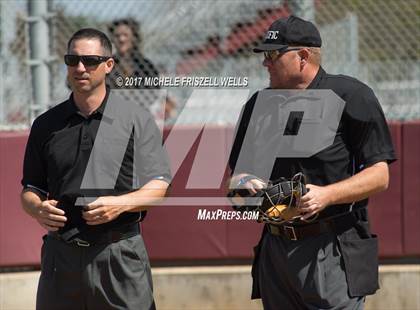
375, 41
15, 77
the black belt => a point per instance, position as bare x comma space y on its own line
105, 237
294, 232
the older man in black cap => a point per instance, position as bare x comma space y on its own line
330, 262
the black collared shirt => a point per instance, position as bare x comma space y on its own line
362, 138
60, 145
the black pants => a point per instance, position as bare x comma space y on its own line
109, 276
303, 274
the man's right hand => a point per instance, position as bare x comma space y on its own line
50, 217
254, 186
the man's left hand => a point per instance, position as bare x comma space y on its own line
102, 210
314, 201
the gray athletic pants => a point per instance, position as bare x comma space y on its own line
99, 277
303, 274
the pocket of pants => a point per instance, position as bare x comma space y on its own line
136, 249
361, 264
47, 258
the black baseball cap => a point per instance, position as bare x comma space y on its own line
287, 31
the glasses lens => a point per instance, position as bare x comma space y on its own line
271, 55
71, 60
91, 60
88, 60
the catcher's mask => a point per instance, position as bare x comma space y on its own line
280, 200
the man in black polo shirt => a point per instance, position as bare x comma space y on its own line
93, 165
330, 262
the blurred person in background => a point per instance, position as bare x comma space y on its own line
130, 62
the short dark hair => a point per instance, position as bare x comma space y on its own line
91, 33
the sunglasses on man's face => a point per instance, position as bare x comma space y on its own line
273, 55
87, 60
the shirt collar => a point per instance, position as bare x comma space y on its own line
318, 77
71, 108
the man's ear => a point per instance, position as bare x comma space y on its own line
109, 65
303, 55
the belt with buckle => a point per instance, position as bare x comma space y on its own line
300, 232
100, 238
295, 232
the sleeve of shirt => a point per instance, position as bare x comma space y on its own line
152, 162
34, 166
367, 129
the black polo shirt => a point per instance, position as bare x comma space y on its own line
60, 145
362, 138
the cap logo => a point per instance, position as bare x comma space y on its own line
272, 35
